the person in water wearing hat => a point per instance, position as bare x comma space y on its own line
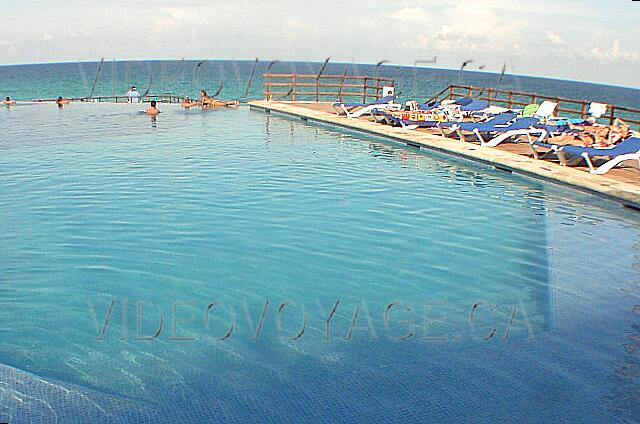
133, 95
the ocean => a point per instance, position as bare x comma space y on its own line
231, 78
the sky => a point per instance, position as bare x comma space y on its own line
586, 40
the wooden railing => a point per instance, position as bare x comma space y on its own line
511, 99
323, 87
160, 98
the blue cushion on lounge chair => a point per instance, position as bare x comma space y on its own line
559, 128
428, 106
463, 101
518, 124
500, 119
475, 106
625, 147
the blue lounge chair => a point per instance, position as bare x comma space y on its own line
474, 106
502, 132
355, 110
463, 101
626, 151
500, 119
427, 106
464, 106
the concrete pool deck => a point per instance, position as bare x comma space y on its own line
620, 184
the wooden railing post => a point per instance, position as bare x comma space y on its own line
510, 99
452, 92
612, 115
267, 85
364, 91
293, 87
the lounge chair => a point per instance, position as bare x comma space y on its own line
500, 119
397, 120
502, 131
356, 110
463, 107
475, 106
546, 110
414, 105
595, 111
626, 151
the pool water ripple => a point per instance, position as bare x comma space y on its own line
473, 291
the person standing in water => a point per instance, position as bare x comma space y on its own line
61, 102
152, 110
133, 95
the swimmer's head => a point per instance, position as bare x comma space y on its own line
153, 103
7, 98
59, 98
133, 88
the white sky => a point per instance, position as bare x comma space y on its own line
592, 40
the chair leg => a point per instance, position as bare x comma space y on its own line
461, 136
603, 169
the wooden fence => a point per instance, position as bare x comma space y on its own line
323, 87
510, 99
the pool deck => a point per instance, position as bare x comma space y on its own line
620, 184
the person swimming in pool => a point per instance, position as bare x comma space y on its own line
207, 102
188, 102
7, 101
61, 102
152, 110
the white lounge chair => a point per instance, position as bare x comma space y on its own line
627, 151
356, 110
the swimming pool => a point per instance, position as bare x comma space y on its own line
233, 266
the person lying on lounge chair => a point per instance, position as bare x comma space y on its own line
604, 135
594, 135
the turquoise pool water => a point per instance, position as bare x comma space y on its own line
234, 266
